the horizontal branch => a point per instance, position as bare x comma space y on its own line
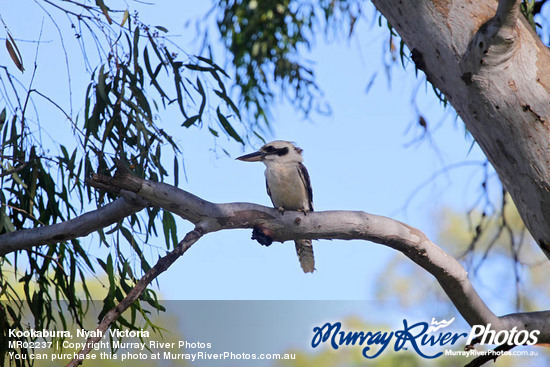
74, 228
345, 225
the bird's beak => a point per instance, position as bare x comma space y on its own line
252, 157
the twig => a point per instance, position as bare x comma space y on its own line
14, 170
24, 212
59, 265
111, 316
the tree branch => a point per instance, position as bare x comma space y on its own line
494, 43
508, 12
346, 225
15, 169
77, 227
161, 265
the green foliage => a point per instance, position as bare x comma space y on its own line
266, 39
528, 10
139, 74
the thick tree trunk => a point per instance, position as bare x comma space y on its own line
495, 72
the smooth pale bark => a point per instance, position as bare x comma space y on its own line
495, 72
413, 243
78, 227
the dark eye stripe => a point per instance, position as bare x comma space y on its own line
272, 150
282, 151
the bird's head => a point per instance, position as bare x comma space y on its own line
278, 151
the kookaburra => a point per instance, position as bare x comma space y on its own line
288, 186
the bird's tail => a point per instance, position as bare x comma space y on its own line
304, 249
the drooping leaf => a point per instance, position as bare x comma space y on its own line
136, 48
190, 121
15, 55
229, 102
176, 171
203, 97
2, 118
227, 127
213, 132
125, 17
169, 228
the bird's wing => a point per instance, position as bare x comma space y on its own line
304, 175
269, 193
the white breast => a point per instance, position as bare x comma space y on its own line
287, 188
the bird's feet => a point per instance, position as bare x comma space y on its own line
259, 235
303, 211
281, 210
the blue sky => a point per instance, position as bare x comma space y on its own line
359, 158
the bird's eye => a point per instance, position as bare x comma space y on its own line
269, 149
282, 151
